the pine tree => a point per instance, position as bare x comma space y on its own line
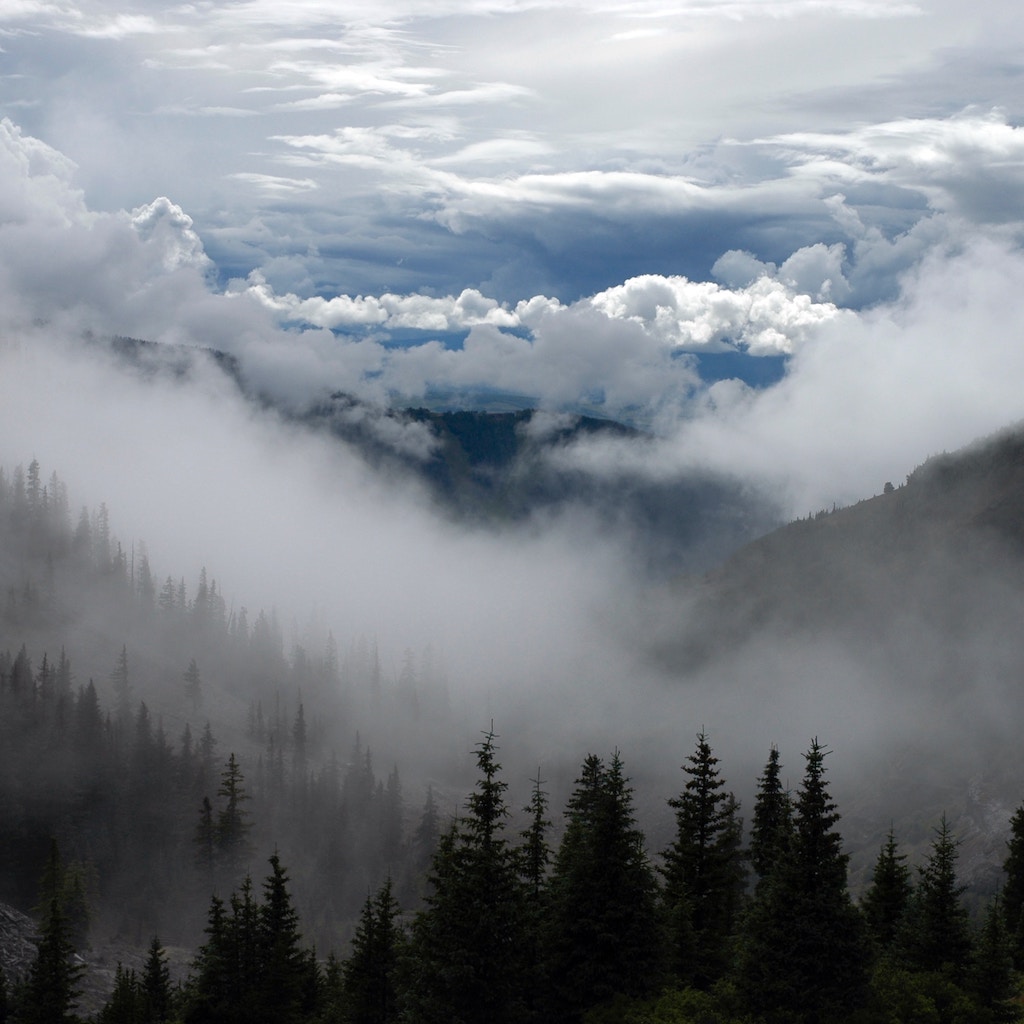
1013, 888
534, 858
465, 959
156, 985
283, 968
602, 935
193, 686
232, 820
803, 956
369, 974
704, 875
52, 986
772, 825
935, 935
886, 900
990, 977
126, 1004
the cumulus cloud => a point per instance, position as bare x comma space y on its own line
164, 226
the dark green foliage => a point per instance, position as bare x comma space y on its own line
251, 968
1013, 888
52, 986
126, 1004
990, 976
803, 957
232, 832
369, 974
886, 900
771, 828
935, 936
140, 1000
704, 873
465, 961
156, 984
534, 853
602, 935
282, 968
193, 686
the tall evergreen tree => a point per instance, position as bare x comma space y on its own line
804, 957
990, 976
936, 934
772, 825
369, 974
232, 821
156, 984
126, 1004
465, 958
283, 967
602, 936
193, 686
52, 986
886, 899
704, 872
1013, 887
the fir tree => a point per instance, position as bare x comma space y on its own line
1013, 888
283, 968
990, 976
935, 935
602, 936
126, 1004
771, 828
52, 987
156, 984
704, 873
466, 956
885, 902
193, 686
232, 820
803, 957
369, 974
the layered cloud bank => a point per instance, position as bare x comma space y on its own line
866, 395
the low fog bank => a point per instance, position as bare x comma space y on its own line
547, 628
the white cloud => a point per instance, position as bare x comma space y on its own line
165, 226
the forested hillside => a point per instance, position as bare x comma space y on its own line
174, 772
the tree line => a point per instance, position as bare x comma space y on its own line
593, 929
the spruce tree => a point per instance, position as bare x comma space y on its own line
1013, 888
803, 957
369, 974
886, 900
602, 937
282, 970
125, 1005
465, 961
232, 832
704, 873
772, 825
52, 986
935, 935
990, 976
156, 984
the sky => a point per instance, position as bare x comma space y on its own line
571, 204
783, 236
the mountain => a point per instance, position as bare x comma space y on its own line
895, 626
494, 468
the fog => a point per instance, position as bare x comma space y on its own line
548, 627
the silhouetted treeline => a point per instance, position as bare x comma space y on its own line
512, 930
125, 768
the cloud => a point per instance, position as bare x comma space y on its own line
164, 225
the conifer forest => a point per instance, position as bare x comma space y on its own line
188, 800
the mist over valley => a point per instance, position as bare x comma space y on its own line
511, 513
